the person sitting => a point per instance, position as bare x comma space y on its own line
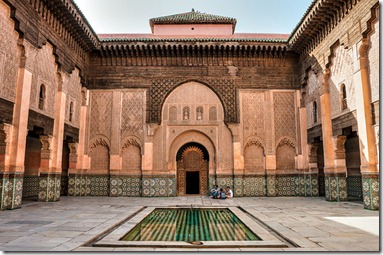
229, 192
222, 194
214, 191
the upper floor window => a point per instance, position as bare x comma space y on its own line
343, 97
71, 110
315, 112
199, 113
42, 96
213, 113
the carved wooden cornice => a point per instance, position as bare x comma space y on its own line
189, 54
319, 20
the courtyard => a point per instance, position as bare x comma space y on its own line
79, 223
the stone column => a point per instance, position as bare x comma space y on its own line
147, 184
77, 183
239, 162
49, 181
14, 145
270, 158
369, 156
115, 160
335, 182
50, 174
328, 143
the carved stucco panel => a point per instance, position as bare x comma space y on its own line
373, 57
253, 118
284, 112
133, 114
73, 88
101, 113
44, 72
342, 72
9, 54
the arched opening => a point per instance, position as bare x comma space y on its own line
353, 162
192, 169
32, 164
65, 166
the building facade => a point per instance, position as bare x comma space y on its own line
190, 105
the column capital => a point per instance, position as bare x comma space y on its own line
46, 143
324, 81
363, 49
363, 53
340, 150
313, 150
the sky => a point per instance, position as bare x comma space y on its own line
253, 16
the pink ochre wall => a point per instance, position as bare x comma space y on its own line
193, 29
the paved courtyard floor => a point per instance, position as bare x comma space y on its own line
74, 223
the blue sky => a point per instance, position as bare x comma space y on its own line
253, 16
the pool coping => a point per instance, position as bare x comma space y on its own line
113, 238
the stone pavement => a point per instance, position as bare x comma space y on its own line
311, 223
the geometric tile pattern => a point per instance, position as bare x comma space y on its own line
271, 185
224, 181
354, 186
125, 186
238, 186
31, 186
336, 187
11, 190
254, 186
49, 187
88, 185
158, 186
308, 185
370, 185
287, 185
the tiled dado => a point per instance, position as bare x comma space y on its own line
308, 185
159, 186
370, 184
336, 187
11, 189
88, 185
125, 186
254, 186
354, 186
49, 187
31, 186
287, 185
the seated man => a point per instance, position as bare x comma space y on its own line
222, 194
229, 192
214, 191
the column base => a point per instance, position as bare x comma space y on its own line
370, 183
49, 187
336, 187
11, 190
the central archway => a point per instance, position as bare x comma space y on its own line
192, 169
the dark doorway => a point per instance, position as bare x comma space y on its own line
192, 182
